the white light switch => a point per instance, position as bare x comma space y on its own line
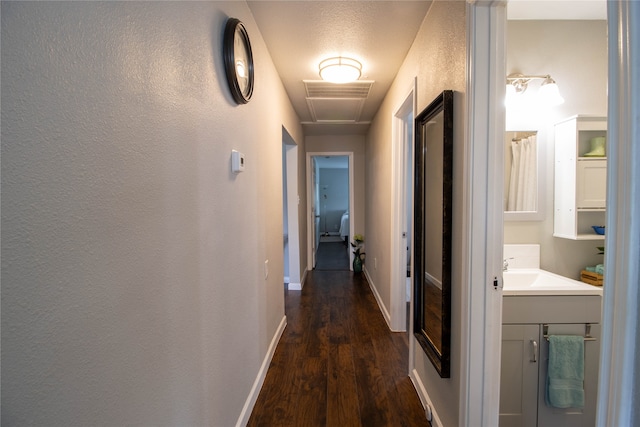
237, 161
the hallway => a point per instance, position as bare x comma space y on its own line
337, 363
332, 255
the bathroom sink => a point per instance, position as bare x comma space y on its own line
525, 281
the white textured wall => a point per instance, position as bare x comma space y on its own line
575, 54
437, 58
132, 258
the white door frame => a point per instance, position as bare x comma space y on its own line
618, 397
398, 303
293, 201
310, 207
482, 234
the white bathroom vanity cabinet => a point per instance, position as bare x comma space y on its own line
526, 321
580, 181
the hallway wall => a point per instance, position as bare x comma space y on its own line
437, 59
133, 286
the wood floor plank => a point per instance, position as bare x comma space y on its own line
337, 363
342, 392
312, 400
372, 393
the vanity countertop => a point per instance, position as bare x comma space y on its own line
536, 282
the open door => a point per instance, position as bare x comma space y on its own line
402, 214
315, 212
290, 200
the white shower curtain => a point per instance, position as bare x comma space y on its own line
523, 182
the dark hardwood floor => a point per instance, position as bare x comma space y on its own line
337, 363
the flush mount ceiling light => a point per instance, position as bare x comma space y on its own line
548, 94
340, 69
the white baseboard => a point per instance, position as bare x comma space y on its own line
295, 286
262, 373
424, 398
298, 286
383, 308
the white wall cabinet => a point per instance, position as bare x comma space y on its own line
580, 181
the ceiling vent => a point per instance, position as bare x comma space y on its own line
336, 103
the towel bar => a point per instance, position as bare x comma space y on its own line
587, 332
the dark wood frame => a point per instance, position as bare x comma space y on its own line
439, 358
240, 96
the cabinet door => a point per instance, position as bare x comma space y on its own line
571, 417
519, 375
591, 191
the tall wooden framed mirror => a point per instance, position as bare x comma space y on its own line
433, 223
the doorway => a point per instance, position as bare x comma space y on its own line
402, 215
290, 202
330, 181
333, 222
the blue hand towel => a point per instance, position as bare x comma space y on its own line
565, 375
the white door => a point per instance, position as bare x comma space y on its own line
315, 213
402, 214
291, 203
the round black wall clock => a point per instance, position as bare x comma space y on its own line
238, 61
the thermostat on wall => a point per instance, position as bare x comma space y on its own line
237, 161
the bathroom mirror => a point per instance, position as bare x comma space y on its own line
433, 222
522, 177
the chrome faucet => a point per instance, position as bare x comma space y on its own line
505, 263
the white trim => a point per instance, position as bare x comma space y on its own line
299, 286
424, 398
295, 286
398, 303
381, 306
433, 280
618, 396
292, 197
482, 230
245, 414
310, 192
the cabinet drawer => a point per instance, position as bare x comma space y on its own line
552, 309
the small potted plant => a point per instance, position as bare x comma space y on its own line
358, 258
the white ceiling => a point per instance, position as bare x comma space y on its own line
557, 9
299, 34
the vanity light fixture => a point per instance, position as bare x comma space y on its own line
549, 94
340, 69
